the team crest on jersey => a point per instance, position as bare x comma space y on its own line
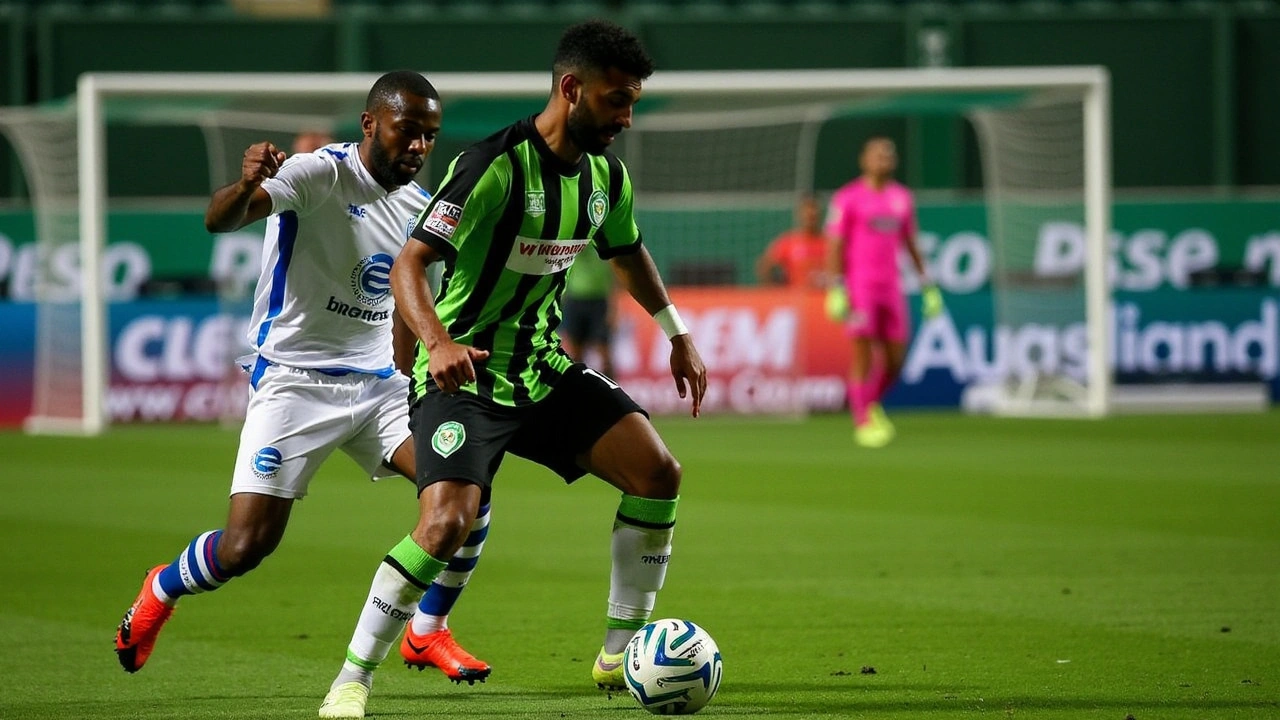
371, 279
597, 207
898, 205
535, 202
448, 438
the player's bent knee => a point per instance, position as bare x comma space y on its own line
444, 530
662, 481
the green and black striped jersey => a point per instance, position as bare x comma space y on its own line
509, 218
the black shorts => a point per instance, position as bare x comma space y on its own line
585, 320
461, 436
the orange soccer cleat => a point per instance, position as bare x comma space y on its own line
138, 630
438, 649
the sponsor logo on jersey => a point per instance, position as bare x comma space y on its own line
448, 438
531, 256
266, 462
884, 224
535, 202
443, 219
371, 279
357, 212
597, 207
356, 312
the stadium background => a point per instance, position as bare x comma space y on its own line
1196, 157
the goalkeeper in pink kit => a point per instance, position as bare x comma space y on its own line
868, 220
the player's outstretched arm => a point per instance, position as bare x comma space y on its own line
450, 364
244, 201
640, 277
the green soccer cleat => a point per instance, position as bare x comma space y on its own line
607, 671
345, 701
872, 435
881, 420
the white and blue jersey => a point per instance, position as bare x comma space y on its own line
323, 378
323, 300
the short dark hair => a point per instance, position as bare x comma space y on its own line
877, 139
597, 45
384, 92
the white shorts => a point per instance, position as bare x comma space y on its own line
296, 418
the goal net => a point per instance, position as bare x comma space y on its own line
718, 160
1035, 176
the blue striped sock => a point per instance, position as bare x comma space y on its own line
445, 589
195, 570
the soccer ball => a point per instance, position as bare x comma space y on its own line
672, 667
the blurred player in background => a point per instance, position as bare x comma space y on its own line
868, 221
511, 216
310, 141
324, 373
798, 257
587, 328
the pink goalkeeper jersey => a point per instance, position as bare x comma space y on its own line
873, 224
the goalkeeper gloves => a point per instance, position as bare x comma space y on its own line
837, 304
931, 301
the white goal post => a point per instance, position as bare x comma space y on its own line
1089, 85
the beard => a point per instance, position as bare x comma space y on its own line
388, 168
586, 134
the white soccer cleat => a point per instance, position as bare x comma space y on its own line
345, 701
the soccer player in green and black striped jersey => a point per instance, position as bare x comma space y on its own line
490, 377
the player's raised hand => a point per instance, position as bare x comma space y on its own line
261, 161
688, 370
452, 365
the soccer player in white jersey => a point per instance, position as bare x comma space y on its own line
324, 371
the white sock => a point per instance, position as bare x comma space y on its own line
353, 673
424, 624
641, 548
402, 577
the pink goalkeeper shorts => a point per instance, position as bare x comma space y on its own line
879, 314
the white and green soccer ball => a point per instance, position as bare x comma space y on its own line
672, 667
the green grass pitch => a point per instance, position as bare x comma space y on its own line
981, 567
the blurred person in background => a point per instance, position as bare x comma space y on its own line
798, 257
310, 141
868, 221
587, 326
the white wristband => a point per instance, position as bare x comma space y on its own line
669, 320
